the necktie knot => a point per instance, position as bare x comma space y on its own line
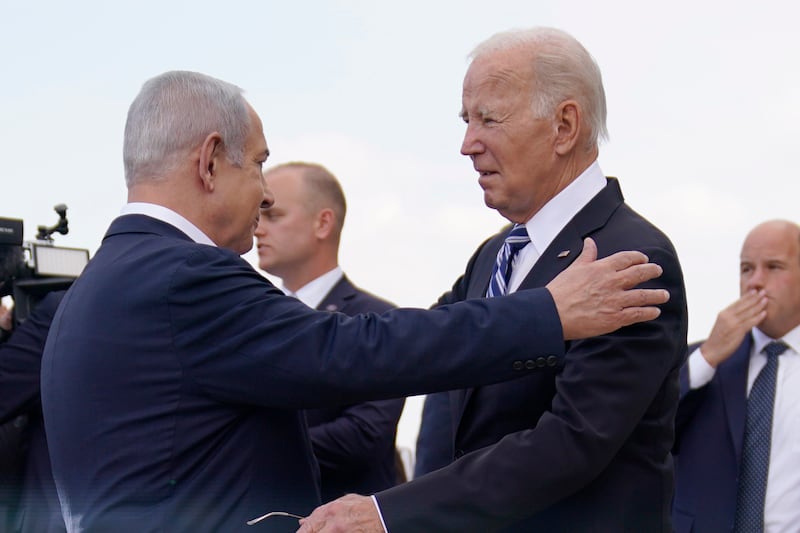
515, 241
775, 348
518, 237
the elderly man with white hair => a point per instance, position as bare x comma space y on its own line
584, 445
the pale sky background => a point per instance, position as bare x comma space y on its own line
703, 102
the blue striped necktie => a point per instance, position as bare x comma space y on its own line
515, 241
757, 442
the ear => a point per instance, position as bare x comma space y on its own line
209, 159
324, 223
568, 126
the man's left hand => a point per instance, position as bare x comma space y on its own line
349, 514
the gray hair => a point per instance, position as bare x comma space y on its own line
562, 69
173, 113
324, 190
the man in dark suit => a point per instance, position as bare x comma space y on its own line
38, 510
298, 240
713, 460
584, 444
173, 371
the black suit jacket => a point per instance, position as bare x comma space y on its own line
20, 362
173, 374
355, 444
579, 447
708, 446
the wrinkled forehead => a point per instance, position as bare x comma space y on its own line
493, 84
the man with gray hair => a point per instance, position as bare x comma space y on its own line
584, 444
173, 371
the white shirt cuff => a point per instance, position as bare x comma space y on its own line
380, 515
700, 372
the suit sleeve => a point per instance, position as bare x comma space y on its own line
357, 434
435, 438
690, 401
21, 360
607, 384
274, 351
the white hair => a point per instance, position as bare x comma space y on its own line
173, 113
562, 69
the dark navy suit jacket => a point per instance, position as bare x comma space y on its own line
355, 444
435, 438
173, 374
20, 362
708, 447
579, 447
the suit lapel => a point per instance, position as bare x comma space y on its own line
733, 380
567, 245
339, 295
477, 285
564, 249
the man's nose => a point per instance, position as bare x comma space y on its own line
268, 198
756, 279
471, 145
260, 229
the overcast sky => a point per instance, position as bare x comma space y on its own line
703, 115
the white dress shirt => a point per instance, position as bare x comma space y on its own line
782, 507
313, 292
169, 216
548, 222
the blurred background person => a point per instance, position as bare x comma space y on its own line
738, 424
28, 499
36, 509
298, 241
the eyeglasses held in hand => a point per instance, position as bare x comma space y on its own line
273, 513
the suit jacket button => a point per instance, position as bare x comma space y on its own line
552, 360
518, 365
459, 454
541, 362
530, 365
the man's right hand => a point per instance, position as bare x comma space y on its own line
732, 325
594, 297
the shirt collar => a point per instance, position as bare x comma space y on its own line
792, 339
551, 219
169, 216
314, 291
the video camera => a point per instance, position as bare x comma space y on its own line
29, 270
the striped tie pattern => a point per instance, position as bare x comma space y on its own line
757, 442
515, 241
